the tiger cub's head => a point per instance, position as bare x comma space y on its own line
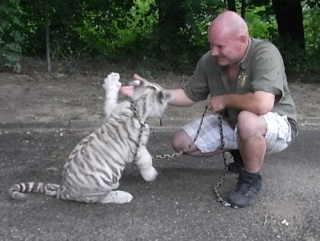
150, 98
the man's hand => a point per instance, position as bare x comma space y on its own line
128, 90
216, 103
137, 77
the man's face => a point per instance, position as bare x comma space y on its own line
225, 47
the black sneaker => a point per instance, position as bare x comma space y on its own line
237, 165
247, 189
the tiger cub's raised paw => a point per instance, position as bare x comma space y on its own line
111, 83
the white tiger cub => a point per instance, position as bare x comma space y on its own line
93, 169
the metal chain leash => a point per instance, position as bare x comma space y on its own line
225, 171
163, 156
142, 126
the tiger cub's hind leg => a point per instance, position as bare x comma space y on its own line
111, 86
117, 197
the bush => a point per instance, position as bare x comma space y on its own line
312, 38
11, 37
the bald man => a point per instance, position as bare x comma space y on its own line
243, 79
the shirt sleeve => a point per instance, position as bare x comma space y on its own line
268, 71
197, 88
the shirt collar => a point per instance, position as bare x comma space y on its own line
244, 60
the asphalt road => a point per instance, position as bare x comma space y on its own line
179, 205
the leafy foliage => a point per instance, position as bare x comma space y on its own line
313, 3
114, 34
11, 36
312, 37
260, 25
151, 34
183, 28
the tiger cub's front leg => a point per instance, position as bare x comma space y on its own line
144, 162
111, 86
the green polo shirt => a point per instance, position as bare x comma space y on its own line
261, 68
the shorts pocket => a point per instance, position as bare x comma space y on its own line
284, 129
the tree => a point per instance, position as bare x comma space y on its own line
47, 35
290, 21
11, 36
182, 29
172, 18
291, 33
231, 4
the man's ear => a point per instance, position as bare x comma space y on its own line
243, 40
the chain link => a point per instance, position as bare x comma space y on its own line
142, 126
163, 156
173, 155
225, 170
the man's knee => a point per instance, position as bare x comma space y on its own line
180, 140
250, 124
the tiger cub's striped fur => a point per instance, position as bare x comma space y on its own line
93, 169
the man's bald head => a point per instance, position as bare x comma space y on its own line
229, 22
228, 37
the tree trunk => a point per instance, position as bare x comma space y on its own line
290, 21
171, 20
232, 5
46, 12
243, 8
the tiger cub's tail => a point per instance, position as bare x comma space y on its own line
18, 191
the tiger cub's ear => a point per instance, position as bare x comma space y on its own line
164, 96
